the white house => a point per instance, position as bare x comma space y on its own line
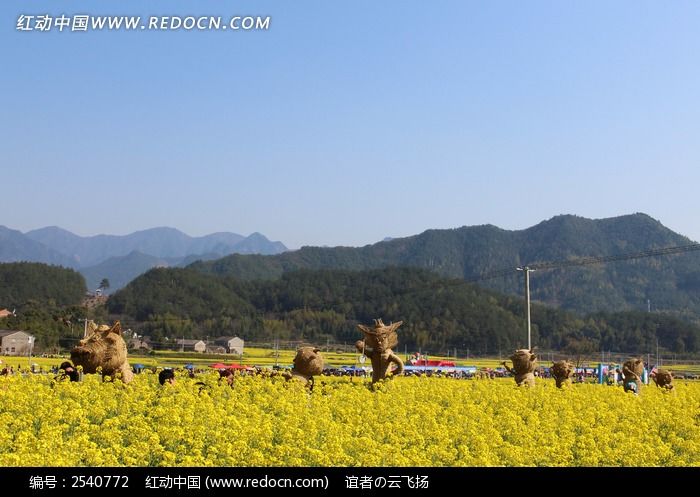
13, 342
233, 345
191, 345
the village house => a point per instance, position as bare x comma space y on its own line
13, 342
231, 345
186, 345
140, 343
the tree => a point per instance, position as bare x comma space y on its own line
104, 284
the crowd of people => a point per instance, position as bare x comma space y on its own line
66, 371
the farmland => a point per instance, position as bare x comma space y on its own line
402, 422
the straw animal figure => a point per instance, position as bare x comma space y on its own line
524, 365
562, 372
663, 379
632, 371
307, 364
103, 348
377, 344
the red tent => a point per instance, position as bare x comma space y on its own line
240, 366
424, 362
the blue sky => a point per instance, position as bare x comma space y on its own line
347, 122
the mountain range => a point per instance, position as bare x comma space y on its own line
122, 258
321, 293
670, 283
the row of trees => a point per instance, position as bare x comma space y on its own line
326, 305
439, 314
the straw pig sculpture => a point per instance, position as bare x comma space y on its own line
307, 364
663, 379
562, 372
103, 348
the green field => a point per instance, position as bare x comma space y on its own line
268, 358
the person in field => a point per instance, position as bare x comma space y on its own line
166, 376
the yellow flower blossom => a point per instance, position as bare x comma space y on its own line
402, 422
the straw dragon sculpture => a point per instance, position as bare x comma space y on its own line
377, 344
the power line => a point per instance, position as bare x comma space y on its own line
586, 261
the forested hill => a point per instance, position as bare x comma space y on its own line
439, 314
47, 301
21, 282
667, 283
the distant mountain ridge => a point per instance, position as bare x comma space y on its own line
16, 247
122, 258
157, 242
670, 283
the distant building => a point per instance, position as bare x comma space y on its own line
187, 345
90, 301
232, 345
4, 313
13, 342
212, 348
136, 343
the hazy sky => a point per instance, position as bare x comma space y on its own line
347, 122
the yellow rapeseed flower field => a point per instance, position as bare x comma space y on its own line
400, 422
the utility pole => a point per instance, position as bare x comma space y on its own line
526, 270
85, 329
657, 353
